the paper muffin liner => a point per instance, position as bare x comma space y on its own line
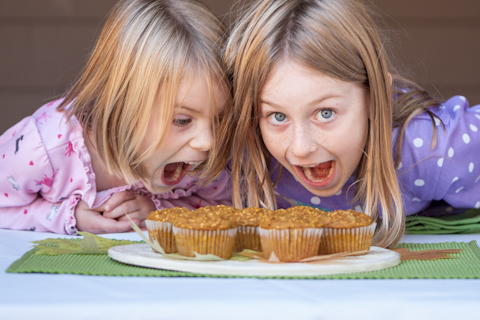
290, 244
337, 240
247, 238
216, 242
163, 233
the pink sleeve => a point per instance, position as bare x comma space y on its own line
41, 215
215, 193
25, 173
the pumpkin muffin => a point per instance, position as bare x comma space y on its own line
208, 230
292, 234
248, 220
222, 210
159, 226
346, 231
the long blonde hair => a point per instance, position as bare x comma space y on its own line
144, 51
339, 39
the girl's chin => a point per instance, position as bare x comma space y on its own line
157, 188
323, 193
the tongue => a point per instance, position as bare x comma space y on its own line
171, 167
321, 170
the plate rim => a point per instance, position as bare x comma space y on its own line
255, 268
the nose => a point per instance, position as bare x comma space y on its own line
302, 143
202, 139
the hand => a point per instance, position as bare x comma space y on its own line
137, 206
92, 220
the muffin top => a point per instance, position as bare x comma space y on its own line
222, 210
207, 218
167, 215
294, 218
251, 216
341, 219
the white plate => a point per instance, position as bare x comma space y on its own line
142, 255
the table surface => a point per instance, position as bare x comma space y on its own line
66, 296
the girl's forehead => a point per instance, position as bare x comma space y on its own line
201, 90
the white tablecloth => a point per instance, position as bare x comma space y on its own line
64, 296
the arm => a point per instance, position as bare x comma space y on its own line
459, 179
41, 215
25, 174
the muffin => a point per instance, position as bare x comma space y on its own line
346, 231
222, 210
159, 227
293, 234
208, 230
248, 221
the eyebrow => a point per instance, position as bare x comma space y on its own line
188, 108
316, 101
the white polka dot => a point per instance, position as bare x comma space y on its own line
478, 116
451, 152
416, 199
458, 190
477, 110
463, 98
477, 205
359, 209
418, 142
478, 178
419, 183
457, 107
339, 192
471, 166
315, 200
437, 121
454, 179
400, 165
442, 107
473, 128
449, 209
466, 138
440, 162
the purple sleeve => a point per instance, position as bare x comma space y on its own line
451, 170
458, 182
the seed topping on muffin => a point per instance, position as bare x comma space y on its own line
346, 219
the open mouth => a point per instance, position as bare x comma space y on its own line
174, 172
317, 175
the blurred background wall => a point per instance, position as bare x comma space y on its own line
45, 43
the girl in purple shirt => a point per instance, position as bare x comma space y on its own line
132, 132
323, 119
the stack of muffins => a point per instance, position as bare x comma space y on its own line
292, 234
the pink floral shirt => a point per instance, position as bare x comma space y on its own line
45, 169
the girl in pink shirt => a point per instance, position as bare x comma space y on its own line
133, 132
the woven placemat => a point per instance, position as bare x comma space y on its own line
464, 265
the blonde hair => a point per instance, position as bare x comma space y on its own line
339, 39
146, 48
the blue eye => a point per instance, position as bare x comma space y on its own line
325, 115
280, 117
182, 122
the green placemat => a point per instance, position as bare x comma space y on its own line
464, 265
466, 222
